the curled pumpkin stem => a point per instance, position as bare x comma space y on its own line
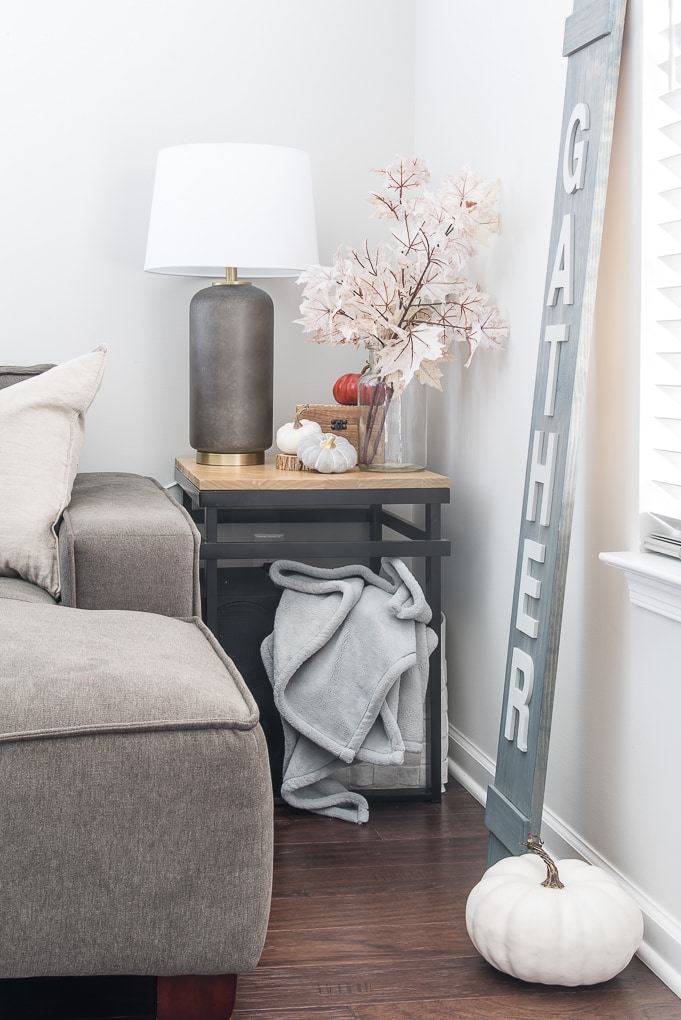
297, 423
552, 881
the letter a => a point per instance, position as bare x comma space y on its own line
564, 264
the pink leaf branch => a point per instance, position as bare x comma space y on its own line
406, 300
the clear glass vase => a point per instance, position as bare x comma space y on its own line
392, 426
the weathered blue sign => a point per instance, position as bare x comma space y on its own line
592, 44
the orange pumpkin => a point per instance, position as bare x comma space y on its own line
345, 388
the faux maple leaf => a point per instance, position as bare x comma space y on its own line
406, 300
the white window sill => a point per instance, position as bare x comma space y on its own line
654, 580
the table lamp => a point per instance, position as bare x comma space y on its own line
221, 210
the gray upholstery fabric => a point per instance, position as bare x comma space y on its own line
25, 591
10, 374
135, 798
135, 793
69, 671
125, 543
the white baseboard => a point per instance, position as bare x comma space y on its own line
660, 950
470, 766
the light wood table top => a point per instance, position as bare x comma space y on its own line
266, 476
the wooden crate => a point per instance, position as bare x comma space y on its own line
341, 419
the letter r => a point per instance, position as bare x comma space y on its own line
519, 694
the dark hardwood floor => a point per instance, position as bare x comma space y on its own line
367, 923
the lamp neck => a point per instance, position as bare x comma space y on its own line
231, 278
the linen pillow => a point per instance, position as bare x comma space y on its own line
41, 435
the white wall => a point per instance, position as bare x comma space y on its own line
478, 103
489, 91
91, 92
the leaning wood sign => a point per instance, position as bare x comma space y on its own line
593, 43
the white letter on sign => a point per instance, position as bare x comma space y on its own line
529, 587
519, 694
541, 474
564, 263
574, 154
554, 334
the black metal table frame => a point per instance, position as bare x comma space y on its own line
333, 506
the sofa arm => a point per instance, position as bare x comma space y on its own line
124, 543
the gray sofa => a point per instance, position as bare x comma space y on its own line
135, 793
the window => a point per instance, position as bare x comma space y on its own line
660, 488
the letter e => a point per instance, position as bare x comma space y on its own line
529, 587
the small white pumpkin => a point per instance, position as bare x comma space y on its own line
327, 453
290, 434
576, 928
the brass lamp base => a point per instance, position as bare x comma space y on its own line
229, 459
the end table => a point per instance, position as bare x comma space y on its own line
264, 494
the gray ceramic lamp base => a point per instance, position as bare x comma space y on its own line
231, 371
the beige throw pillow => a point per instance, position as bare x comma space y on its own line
41, 434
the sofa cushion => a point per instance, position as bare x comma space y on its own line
24, 591
135, 798
125, 543
67, 672
41, 434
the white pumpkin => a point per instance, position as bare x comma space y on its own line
290, 434
578, 927
327, 453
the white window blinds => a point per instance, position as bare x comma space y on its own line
660, 491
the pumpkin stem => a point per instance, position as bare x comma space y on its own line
329, 443
297, 423
552, 881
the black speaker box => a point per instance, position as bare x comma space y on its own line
246, 606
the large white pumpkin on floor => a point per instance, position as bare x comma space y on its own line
559, 924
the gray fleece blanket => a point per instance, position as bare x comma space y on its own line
348, 664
